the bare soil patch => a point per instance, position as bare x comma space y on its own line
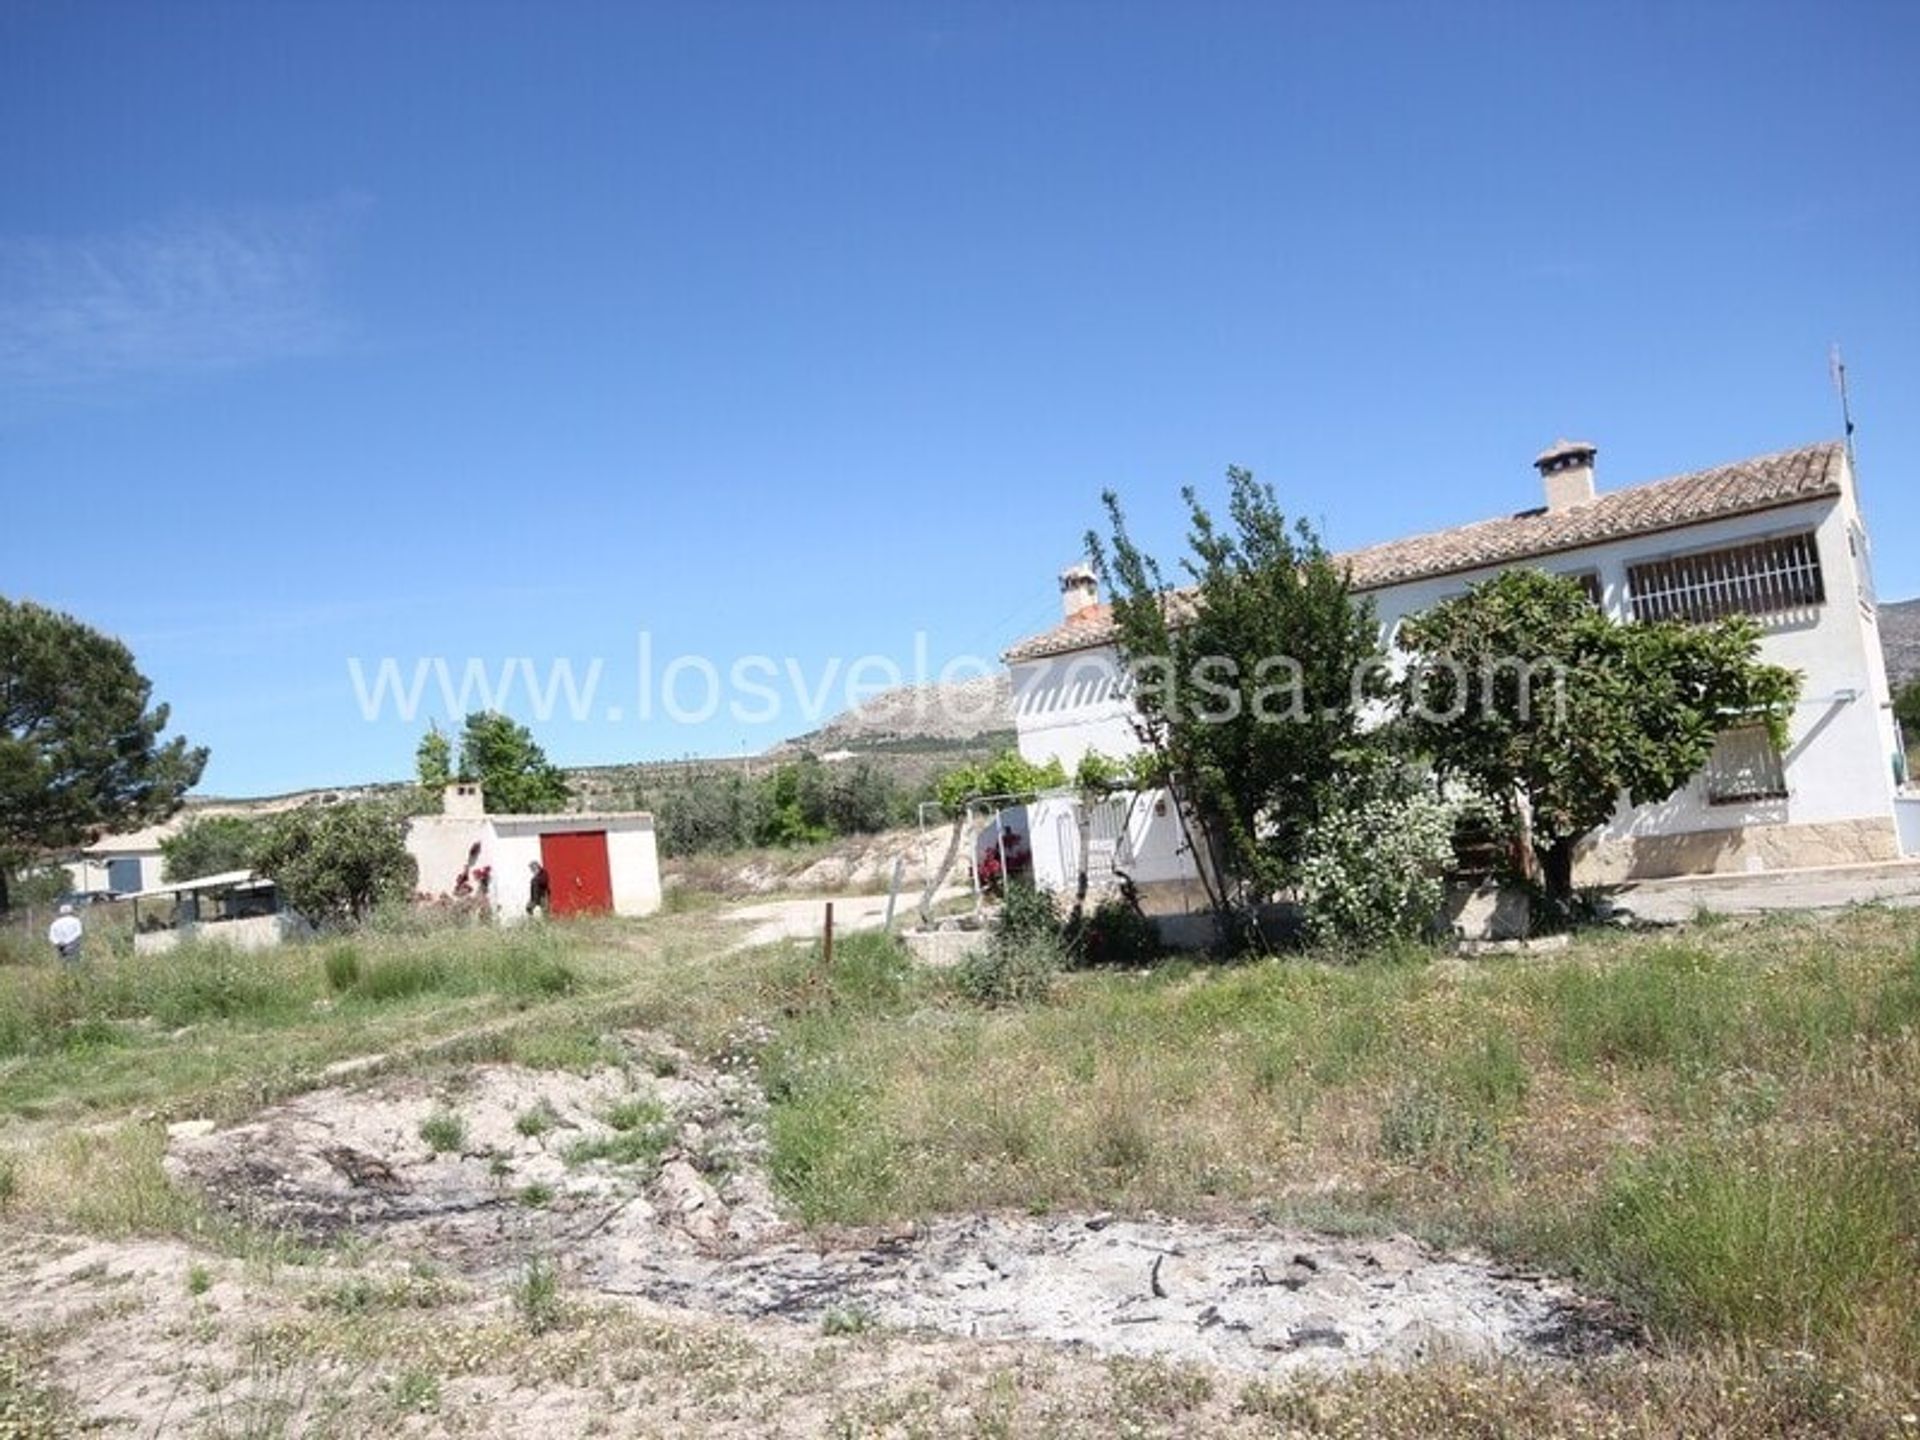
649, 1182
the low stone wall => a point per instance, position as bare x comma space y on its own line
1738, 851
256, 932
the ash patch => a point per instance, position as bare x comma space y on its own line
680, 1214
1247, 1298
544, 1160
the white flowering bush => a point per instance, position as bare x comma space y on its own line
1375, 870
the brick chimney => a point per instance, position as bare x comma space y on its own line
1078, 590
1566, 468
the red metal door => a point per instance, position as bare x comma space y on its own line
579, 881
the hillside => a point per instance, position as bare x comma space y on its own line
922, 717
1900, 639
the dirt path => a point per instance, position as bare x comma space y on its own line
771, 921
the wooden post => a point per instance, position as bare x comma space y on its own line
893, 894
827, 956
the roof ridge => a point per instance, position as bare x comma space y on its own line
1690, 497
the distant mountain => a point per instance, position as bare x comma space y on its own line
917, 717
1900, 640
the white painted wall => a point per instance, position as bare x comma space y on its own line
438, 844
1839, 764
633, 859
1907, 811
90, 873
255, 932
1066, 705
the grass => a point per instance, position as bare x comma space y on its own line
207, 1031
641, 1131
1715, 1127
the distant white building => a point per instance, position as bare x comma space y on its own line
1779, 537
596, 863
121, 865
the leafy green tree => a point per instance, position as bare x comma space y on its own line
703, 812
209, 845
1553, 711
80, 747
1250, 688
1007, 773
794, 807
1906, 706
514, 773
40, 886
433, 760
336, 863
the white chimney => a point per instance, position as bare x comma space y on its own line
1078, 590
463, 800
1566, 468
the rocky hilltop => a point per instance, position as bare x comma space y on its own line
1900, 639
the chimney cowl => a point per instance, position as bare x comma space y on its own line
1566, 469
1079, 590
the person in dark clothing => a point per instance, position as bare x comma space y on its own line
537, 888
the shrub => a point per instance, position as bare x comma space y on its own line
443, 1131
537, 1297
1026, 951
1010, 970
1028, 911
1116, 934
336, 863
1373, 870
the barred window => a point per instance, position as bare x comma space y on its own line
1589, 582
1745, 766
1763, 577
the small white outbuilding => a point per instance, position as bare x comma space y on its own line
597, 863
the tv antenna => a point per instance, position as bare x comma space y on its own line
1838, 368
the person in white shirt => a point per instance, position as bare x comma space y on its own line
65, 932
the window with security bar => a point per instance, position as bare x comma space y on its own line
1745, 766
1762, 578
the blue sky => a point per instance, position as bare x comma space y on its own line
334, 332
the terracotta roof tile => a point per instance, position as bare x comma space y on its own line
1741, 488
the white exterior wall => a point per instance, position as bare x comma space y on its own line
1839, 763
438, 844
1066, 705
90, 872
1907, 811
255, 932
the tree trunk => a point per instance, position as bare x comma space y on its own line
6, 902
1556, 870
939, 877
1083, 822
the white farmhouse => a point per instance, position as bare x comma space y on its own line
1778, 537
